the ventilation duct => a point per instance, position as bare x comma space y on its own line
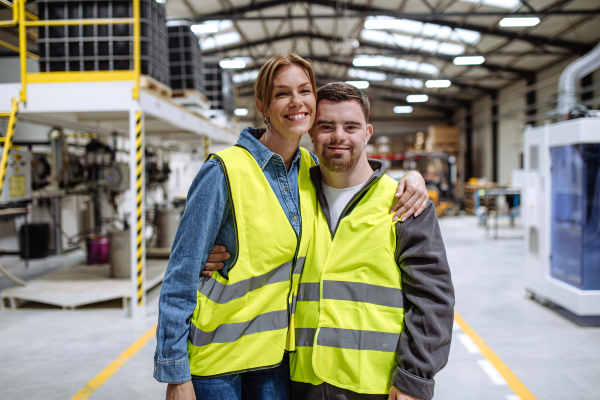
567, 84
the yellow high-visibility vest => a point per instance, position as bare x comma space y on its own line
241, 323
349, 308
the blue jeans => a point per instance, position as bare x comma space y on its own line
264, 384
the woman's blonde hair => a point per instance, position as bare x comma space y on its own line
263, 90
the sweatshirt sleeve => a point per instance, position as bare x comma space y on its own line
429, 304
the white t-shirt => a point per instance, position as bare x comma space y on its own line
337, 199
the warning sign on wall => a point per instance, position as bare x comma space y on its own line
17, 186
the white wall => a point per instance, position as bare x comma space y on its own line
482, 138
511, 125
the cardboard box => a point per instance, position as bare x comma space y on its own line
439, 134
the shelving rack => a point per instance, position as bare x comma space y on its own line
105, 102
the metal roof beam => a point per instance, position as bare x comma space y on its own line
433, 17
378, 89
392, 51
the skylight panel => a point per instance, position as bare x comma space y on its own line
408, 42
464, 35
220, 40
451, 49
396, 63
422, 29
408, 82
507, 4
245, 76
366, 75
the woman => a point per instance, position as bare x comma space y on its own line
226, 337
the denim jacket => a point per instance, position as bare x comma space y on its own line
208, 220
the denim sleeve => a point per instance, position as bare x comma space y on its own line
206, 210
429, 304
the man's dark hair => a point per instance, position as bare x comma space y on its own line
341, 91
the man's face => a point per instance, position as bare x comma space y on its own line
340, 134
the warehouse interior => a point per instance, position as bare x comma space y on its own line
108, 110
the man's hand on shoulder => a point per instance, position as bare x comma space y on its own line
412, 196
217, 255
397, 394
181, 391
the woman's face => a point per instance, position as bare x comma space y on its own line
293, 102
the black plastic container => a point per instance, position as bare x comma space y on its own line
184, 58
38, 241
218, 85
102, 47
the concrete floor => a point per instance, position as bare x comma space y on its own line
52, 354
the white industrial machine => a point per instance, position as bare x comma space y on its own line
561, 214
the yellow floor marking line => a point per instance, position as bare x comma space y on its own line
513, 382
114, 366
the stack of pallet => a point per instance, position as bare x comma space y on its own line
218, 85
184, 59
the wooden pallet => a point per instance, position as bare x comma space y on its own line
152, 84
189, 93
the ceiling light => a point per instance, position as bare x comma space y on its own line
232, 64
359, 84
417, 98
439, 83
240, 112
519, 22
473, 60
204, 28
367, 61
507, 4
403, 109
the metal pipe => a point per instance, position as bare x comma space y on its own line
567, 83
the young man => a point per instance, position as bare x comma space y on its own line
374, 308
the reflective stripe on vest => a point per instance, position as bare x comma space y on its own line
349, 308
241, 321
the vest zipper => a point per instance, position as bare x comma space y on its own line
295, 259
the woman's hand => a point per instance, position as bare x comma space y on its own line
214, 261
412, 195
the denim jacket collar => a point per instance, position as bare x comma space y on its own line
249, 139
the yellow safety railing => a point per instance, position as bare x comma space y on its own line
13, 6
20, 17
7, 140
